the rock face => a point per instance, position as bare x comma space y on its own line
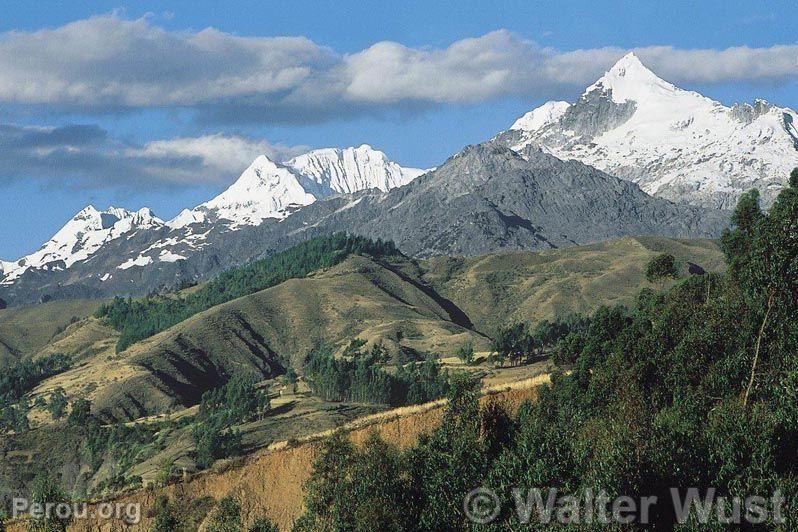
674, 143
486, 198
489, 198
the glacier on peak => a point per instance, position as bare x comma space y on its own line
351, 169
81, 237
266, 189
674, 143
547, 113
269, 189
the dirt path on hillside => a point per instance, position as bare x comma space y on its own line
270, 482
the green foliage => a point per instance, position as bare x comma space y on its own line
46, 491
164, 516
763, 261
166, 472
290, 379
58, 404
15, 417
466, 353
119, 442
514, 343
137, 319
358, 490
547, 333
794, 178
226, 517
21, 378
377, 487
17, 381
363, 380
658, 398
661, 267
263, 524
80, 413
236, 402
568, 349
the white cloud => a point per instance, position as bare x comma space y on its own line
85, 155
467, 71
220, 155
110, 63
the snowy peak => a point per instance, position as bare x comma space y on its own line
265, 190
674, 143
348, 170
81, 237
268, 189
90, 221
629, 69
629, 80
548, 113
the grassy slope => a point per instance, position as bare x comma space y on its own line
269, 330
26, 330
274, 328
526, 287
356, 298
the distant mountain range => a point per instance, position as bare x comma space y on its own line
266, 189
634, 155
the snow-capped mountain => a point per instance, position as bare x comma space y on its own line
352, 169
268, 189
265, 190
674, 143
81, 237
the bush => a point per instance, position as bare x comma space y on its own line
660, 267
80, 413
263, 524
58, 404
466, 353
226, 517
237, 401
164, 516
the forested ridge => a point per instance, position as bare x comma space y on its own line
137, 319
696, 387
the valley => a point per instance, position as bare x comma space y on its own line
408, 310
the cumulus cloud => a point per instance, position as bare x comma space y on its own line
221, 155
85, 155
110, 63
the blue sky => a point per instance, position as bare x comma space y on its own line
127, 103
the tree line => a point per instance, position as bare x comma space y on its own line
137, 319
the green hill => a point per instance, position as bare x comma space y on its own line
522, 287
266, 332
26, 330
409, 307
